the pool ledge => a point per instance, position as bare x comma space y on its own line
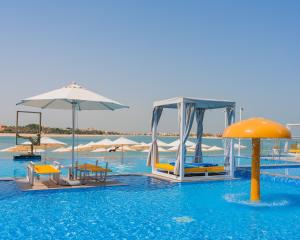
23, 184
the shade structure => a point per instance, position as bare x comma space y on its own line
237, 146
189, 110
123, 141
161, 143
100, 150
16, 149
47, 142
72, 97
85, 147
256, 128
141, 146
203, 146
106, 142
215, 148
63, 149
176, 143
160, 149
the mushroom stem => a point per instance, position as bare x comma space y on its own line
255, 171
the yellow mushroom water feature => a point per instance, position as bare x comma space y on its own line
255, 129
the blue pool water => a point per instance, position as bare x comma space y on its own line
134, 164
152, 209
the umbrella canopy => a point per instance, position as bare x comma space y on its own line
256, 128
21, 148
63, 149
47, 142
160, 143
65, 97
141, 146
100, 150
72, 97
214, 148
160, 149
177, 142
237, 146
103, 143
123, 141
85, 147
204, 146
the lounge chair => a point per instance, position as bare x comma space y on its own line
191, 168
34, 171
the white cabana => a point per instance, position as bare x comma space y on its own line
188, 110
72, 97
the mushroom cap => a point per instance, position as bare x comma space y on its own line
256, 128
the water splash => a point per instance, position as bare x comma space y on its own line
183, 219
241, 199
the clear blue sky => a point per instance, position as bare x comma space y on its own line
140, 51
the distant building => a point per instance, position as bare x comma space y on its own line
2, 127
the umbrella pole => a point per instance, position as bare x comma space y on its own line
255, 170
122, 155
73, 137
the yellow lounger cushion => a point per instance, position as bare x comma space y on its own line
45, 169
170, 168
93, 168
294, 151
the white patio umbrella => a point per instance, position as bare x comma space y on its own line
100, 150
106, 142
72, 97
47, 142
122, 141
160, 143
213, 149
160, 149
236, 146
177, 142
63, 149
141, 146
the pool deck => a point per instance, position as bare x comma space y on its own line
24, 185
191, 179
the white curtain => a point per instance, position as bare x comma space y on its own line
199, 121
230, 115
153, 153
187, 126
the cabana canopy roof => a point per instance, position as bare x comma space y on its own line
199, 103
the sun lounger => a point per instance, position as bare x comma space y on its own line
36, 170
167, 167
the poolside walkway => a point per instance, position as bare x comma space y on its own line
192, 179
50, 185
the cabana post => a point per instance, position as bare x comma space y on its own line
190, 110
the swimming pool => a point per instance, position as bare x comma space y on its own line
134, 164
152, 209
